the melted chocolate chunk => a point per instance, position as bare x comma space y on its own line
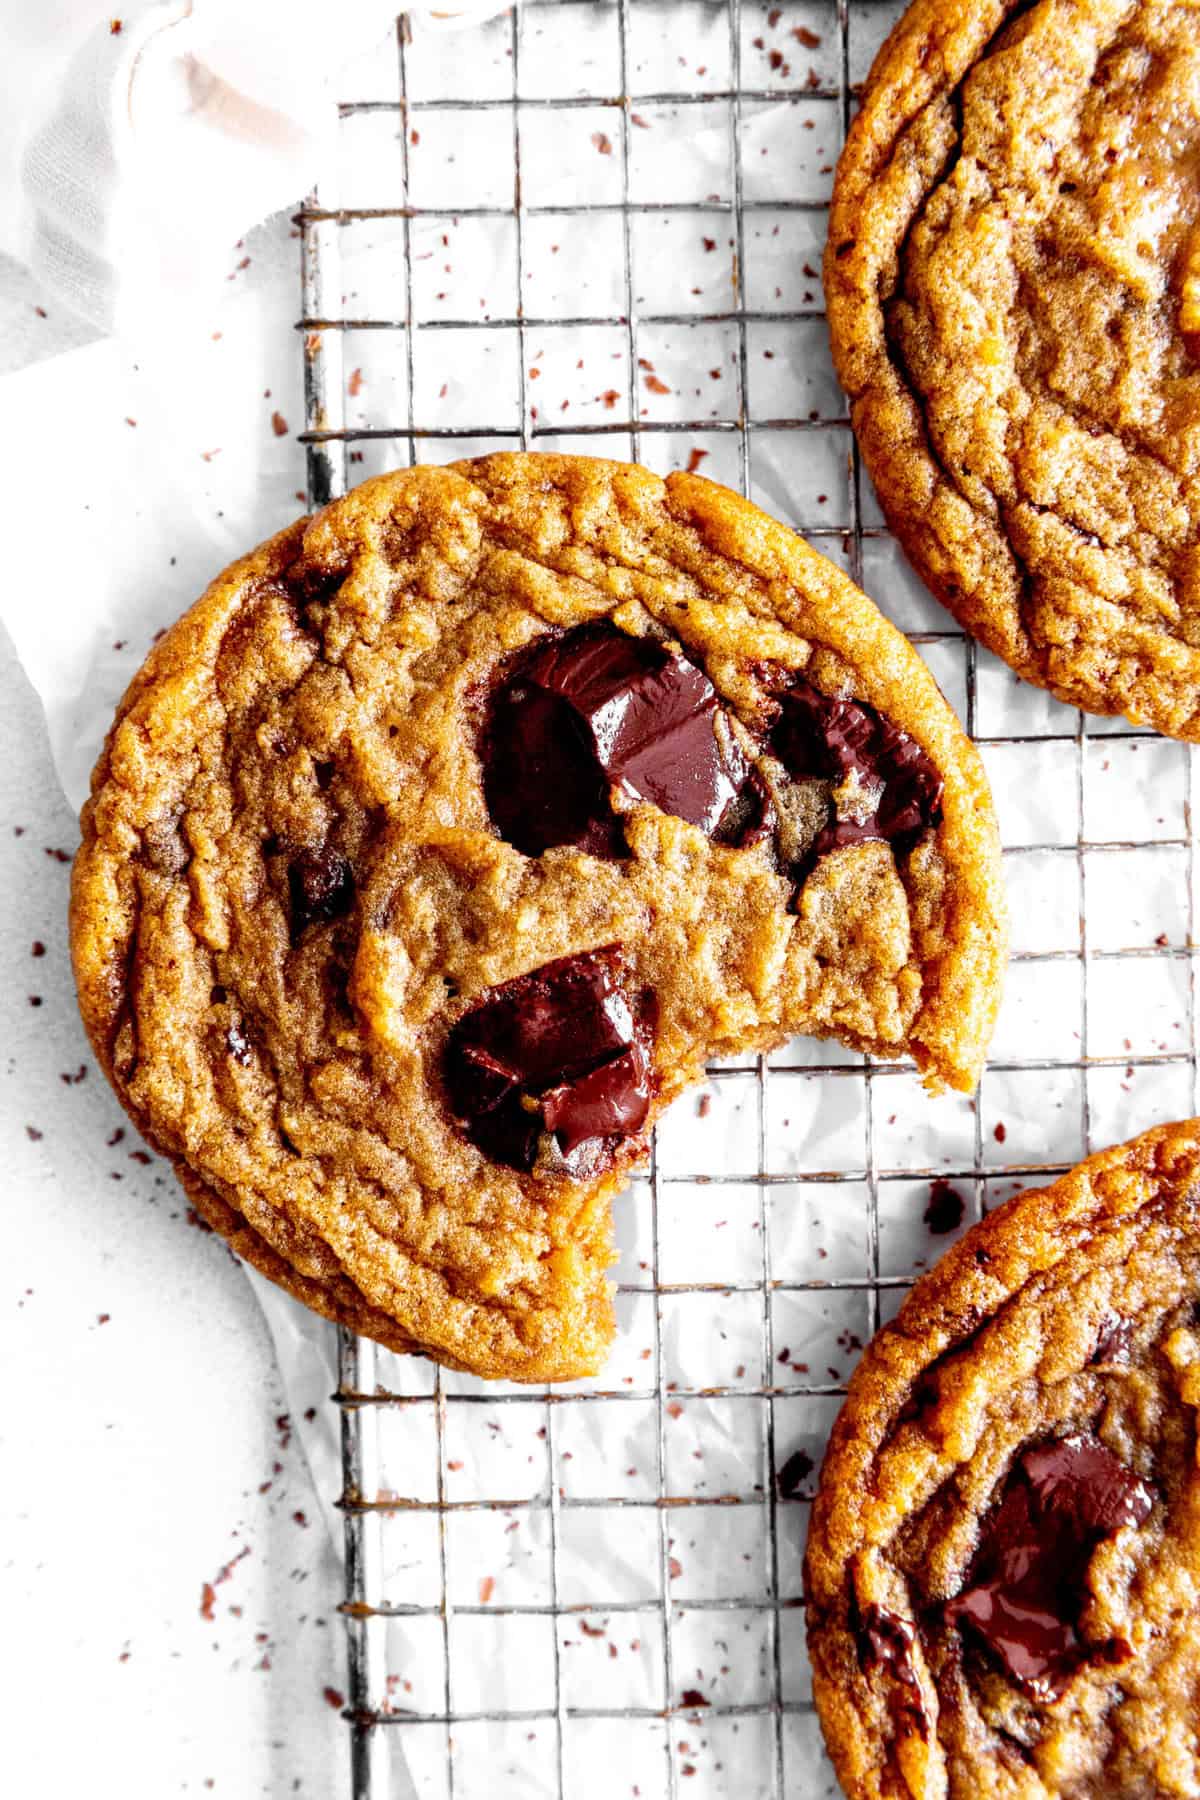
597, 709
815, 735
321, 887
541, 781
1028, 1583
886, 1641
560, 1054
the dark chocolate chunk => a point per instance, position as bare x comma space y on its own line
597, 709
541, 781
830, 739
560, 1054
1028, 1583
886, 1641
321, 887
610, 1101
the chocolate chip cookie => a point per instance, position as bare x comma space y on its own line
1013, 287
1003, 1568
437, 848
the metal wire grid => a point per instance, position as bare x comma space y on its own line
1083, 1083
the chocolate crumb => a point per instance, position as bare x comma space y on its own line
945, 1209
794, 1473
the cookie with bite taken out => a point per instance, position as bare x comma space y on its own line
446, 838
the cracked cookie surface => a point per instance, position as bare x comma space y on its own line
1003, 1565
1013, 286
400, 1063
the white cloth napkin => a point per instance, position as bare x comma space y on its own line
137, 143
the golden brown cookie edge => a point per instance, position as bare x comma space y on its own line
921, 62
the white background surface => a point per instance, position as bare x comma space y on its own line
138, 1456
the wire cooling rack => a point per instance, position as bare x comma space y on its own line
598, 227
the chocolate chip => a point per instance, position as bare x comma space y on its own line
835, 740
1027, 1586
594, 710
886, 1641
554, 1064
321, 887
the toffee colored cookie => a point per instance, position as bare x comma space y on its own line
1013, 287
445, 839
1003, 1567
